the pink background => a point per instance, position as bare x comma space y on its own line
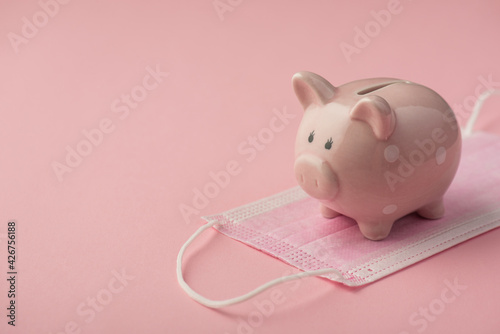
119, 209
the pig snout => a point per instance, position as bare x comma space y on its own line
316, 177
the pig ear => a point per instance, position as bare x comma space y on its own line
375, 111
311, 88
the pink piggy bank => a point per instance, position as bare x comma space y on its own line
375, 150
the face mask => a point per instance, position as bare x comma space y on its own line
288, 226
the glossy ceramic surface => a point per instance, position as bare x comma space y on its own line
375, 150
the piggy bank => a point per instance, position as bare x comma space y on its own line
375, 150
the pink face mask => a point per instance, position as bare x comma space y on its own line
289, 227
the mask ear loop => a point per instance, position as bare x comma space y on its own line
477, 108
221, 303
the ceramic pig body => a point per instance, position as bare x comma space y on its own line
375, 150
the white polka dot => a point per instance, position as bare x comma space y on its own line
440, 155
391, 208
391, 153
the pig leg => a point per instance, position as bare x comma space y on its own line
375, 230
328, 213
433, 210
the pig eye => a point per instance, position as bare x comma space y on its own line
328, 144
311, 137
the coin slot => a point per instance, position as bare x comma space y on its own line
376, 87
